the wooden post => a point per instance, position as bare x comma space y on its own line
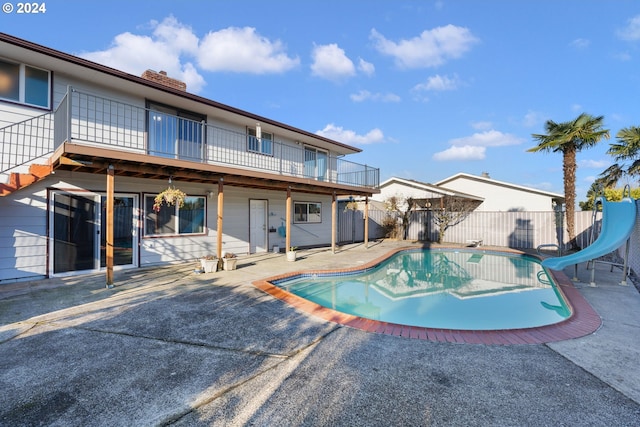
109, 228
220, 218
366, 222
288, 220
333, 223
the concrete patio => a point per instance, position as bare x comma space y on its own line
167, 346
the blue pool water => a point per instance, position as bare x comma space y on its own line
447, 289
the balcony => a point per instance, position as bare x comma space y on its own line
89, 120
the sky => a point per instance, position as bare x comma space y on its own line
426, 88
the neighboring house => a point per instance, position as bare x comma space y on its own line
502, 196
86, 148
424, 195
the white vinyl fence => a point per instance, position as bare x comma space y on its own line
518, 230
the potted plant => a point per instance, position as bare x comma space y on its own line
209, 263
291, 253
171, 196
230, 260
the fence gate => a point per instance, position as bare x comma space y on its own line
350, 226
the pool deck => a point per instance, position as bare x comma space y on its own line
167, 346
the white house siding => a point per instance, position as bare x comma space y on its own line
500, 198
23, 228
236, 219
14, 113
23, 238
402, 191
312, 234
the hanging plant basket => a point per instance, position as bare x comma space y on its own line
171, 196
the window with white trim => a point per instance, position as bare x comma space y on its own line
173, 220
262, 144
307, 212
25, 84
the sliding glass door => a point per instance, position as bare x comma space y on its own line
78, 232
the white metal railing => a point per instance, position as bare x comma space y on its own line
95, 120
25, 141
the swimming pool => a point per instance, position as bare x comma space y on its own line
445, 289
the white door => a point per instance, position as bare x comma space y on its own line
258, 226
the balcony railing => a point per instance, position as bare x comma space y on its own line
94, 120
24, 141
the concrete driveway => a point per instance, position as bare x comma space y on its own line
169, 347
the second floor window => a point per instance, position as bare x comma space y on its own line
262, 145
25, 84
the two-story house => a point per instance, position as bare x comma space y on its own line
86, 148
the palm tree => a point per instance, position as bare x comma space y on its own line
569, 138
626, 150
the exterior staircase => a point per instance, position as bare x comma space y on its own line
21, 180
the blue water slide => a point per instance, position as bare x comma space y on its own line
618, 220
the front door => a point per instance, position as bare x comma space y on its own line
258, 226
79, 232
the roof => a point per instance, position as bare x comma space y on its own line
429, 187
80, 67
499, 184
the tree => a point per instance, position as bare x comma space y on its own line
569, 138
610, 194
626, 154
402, 207
452, 212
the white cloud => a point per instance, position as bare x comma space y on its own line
176, 35
438, 83
474, 147
174, 47
365, 95
430, 49
330, 62
481, 125
366, 67
490, 138
533, 119
595, 164
345, 136
631, 31
580, 43
466, 152
243, 50
167, 49
622, 56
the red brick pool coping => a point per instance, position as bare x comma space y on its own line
583, 320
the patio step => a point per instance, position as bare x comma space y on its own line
18, 181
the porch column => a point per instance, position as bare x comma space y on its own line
366, 222
220, 217
333, 223
109, 236
288, 220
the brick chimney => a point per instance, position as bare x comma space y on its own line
163, 79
